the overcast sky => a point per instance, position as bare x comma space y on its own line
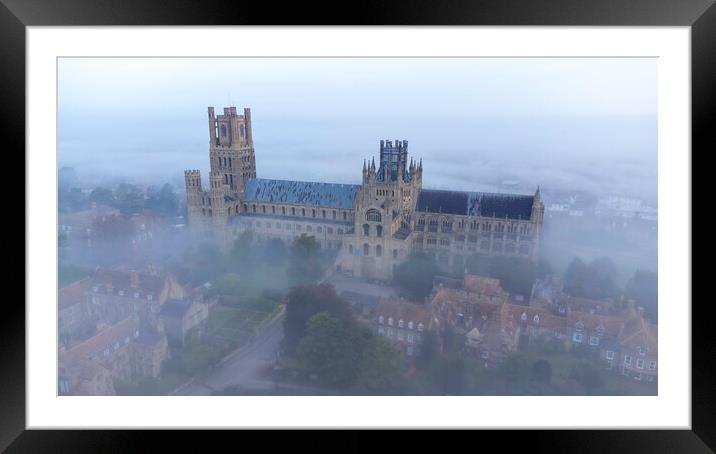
559, 121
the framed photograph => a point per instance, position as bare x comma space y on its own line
415, 218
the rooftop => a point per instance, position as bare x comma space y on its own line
330, 195
512, 206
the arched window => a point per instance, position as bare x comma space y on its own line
253, 207
379, 251
379, 230
246, 208
433, 225
366, 229
366, 250
223, 131
373, 215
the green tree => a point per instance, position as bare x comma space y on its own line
415, 275
643, 288
331, 347
576, 277
380, 366
515, 369
587, 375
102, 196
303, 302
541, 371
129, 199
429, 351
274, 251
305, 262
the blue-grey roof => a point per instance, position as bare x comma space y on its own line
510, 206
331, 195
237, 220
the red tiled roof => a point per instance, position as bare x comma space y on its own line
72, 294
481, 284
116, 280
612, 324
638, 332
100, 341
399, 310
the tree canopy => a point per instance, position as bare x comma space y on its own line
415, 275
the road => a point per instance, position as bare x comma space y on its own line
243, 367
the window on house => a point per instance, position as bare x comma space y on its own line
593, 340
410, 338
627, 360
639, 363
652, 365
380, 319
420, 326
577, 337
400, 323
610, 355
410, 325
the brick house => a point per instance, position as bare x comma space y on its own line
404, 324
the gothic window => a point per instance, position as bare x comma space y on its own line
242, 130
379, 230
253, 207
432, 241
223, 131
273, 210
447, 226
293, 211
313, 212
345, 215
334, 215
366, 250
323, 213
366, 229
263, 209
229, 162
303, 211
283, 211
373, 215
421, 224
486, 227
433, 225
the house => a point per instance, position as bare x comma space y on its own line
364, 304
179, 316
119, 352
73, 323
638, 358
113, 295
404, 324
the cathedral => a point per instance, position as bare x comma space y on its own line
373, 226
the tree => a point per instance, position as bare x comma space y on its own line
452, 376
129, 199
303, 302
331, 347
643, 288
596, 280
541, 371
380, 366
305, 262
575, 277
415, 275
164, 202
515, 368
591, 378
275, 251
102, 196
516, 274
429, 350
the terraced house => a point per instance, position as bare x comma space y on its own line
373, 226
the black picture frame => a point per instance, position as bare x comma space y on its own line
700, 15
